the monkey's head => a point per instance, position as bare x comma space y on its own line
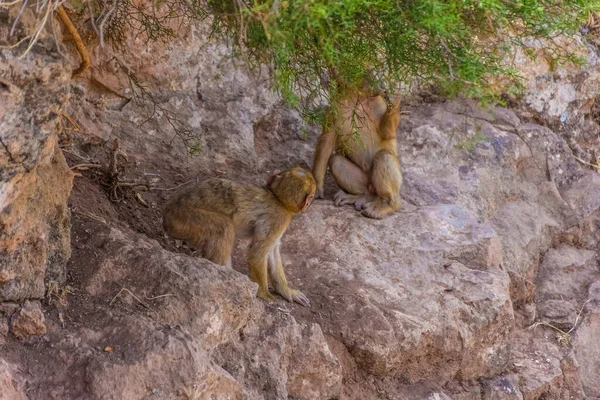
294, 188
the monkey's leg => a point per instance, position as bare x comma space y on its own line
387, 180
351, 179
323, 152
213, 235
279, 281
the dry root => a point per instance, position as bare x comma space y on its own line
81, 49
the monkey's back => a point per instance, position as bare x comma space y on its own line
219, 195
367, 113
243, 203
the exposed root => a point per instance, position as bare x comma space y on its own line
74, 124
60, 293
81, 49
116, 184
83, 167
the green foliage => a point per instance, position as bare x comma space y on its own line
457, 44
318, 50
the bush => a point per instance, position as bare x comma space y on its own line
456, 44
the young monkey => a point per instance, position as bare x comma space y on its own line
210, 215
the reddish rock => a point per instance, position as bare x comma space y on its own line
35, 180
29, 321
11, 387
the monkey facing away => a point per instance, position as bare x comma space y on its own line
210, 215
367, 168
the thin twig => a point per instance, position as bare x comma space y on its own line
12, 3
174, 188
135, 297
160, 296
585, 162
578, 316
86, 166
90, 215
75, 125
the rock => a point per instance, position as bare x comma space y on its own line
560, 313
384, 309
502, 388
3, 329
583, 195
564, 275
9, 308
166, 365
179, 326
29, 321
10, 383
282, 135
209, 103
585, 342
35, 180
309, 371
561, 93
314, 372
543, 369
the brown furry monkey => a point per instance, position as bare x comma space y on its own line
210, 215
367, 168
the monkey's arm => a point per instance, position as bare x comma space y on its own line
279, 281
265, 236
324, 150
390, 120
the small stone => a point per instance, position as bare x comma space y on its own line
8, 308
29, 321
3, 329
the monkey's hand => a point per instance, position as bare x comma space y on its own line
266, 296
293, 295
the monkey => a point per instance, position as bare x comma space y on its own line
366, 168
210, 215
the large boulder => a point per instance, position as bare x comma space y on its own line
35, 180
147, 322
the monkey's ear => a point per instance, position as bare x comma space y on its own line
307, 200
271, 178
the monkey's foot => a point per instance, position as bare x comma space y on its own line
359, 201
293, 295
319, 194
363, 200
266, 296
378, 209
342, 198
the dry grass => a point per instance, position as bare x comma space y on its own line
563, 338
